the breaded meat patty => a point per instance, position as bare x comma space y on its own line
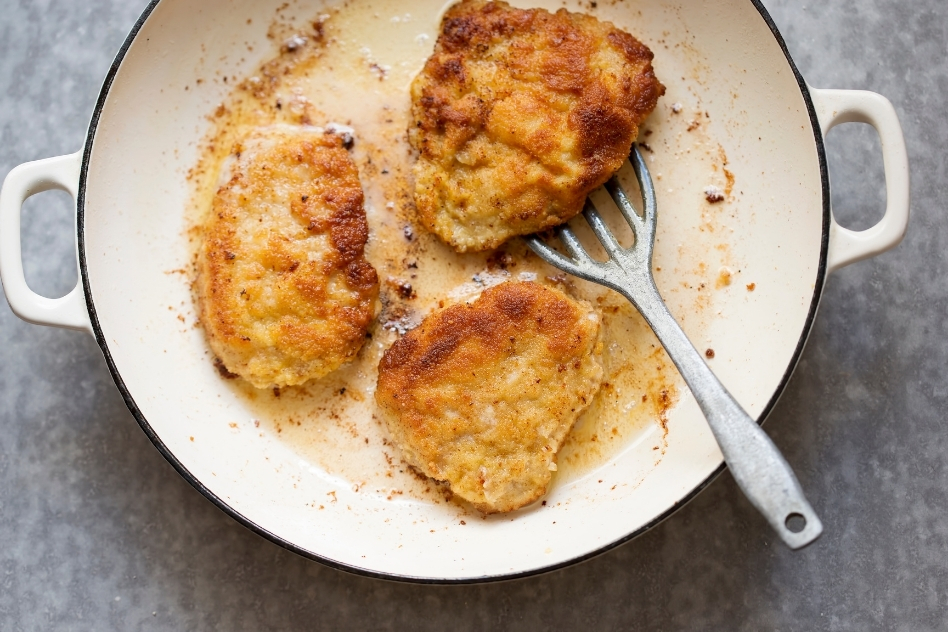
483, 395
286, 294
519, 115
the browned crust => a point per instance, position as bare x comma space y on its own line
457, 359
465, 335
266, 303
587, 85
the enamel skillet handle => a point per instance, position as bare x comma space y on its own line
24, 181
856, 106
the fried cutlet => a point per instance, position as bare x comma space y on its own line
518, 115
482, 395
286, 294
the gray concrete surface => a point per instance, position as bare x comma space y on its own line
98, 532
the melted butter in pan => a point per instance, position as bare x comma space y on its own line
352, 66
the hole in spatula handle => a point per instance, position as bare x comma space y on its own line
795, 522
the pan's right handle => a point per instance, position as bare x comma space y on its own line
24, 181
857, 106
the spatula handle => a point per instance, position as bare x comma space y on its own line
758, 467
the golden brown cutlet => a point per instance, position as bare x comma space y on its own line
482, 395
518, 115
286, 294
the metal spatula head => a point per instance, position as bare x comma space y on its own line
757, 465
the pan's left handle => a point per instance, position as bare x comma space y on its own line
24, 181
834, 107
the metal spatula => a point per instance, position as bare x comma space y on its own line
756, 463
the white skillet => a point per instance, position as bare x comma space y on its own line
130, 188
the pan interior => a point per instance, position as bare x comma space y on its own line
740, 275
